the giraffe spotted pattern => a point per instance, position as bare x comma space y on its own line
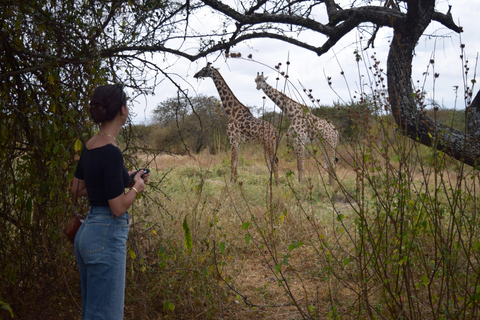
242, 125
304, 127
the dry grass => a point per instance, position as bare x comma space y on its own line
258, 251
198, 190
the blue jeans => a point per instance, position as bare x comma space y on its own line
101, 253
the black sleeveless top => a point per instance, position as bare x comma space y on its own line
104, 174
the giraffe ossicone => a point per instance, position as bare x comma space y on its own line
242, 125
304, 127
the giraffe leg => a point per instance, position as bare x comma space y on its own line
331, 164
273, 166
234, 160
275, 169
268, 139
300, 153
270, 148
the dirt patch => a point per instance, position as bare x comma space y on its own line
261, 293
164, 161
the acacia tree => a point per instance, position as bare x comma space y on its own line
283, 20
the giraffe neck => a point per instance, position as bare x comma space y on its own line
229, 100
281, 100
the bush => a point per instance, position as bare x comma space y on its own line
180, 130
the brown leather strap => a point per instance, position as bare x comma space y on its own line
76, 193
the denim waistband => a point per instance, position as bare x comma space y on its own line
96, 211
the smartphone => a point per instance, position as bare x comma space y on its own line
132, 176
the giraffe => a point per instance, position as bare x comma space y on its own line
304, 127
242, 125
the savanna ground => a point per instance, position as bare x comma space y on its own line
239, 239
397, 237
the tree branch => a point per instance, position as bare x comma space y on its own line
447, 20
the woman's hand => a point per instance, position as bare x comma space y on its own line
121, 203
144, 177
137, 173
139, 182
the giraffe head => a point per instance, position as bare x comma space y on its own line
260, 81
207, 71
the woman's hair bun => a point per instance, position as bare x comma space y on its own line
106, 103
98, 111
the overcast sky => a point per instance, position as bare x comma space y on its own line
310, 71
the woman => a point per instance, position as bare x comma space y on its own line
101, 242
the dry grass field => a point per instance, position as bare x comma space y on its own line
257, 243
203, 247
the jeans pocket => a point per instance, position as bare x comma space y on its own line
121, 231
93, 237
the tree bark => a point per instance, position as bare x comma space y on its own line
473, 116
413, 123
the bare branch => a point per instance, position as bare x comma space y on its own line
447, 20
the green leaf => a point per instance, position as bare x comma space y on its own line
7, 307
245, 225
187, 236
132, 254
163, 264
168, 305
247, 238
222, 246
476, 246
78, 145
278, 267
295, 245
162, 250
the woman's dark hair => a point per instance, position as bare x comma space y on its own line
107, 100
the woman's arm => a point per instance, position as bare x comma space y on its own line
121, 203
79, 188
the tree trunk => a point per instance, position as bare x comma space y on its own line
473, 117
413, 123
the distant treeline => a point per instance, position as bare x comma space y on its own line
199, 123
